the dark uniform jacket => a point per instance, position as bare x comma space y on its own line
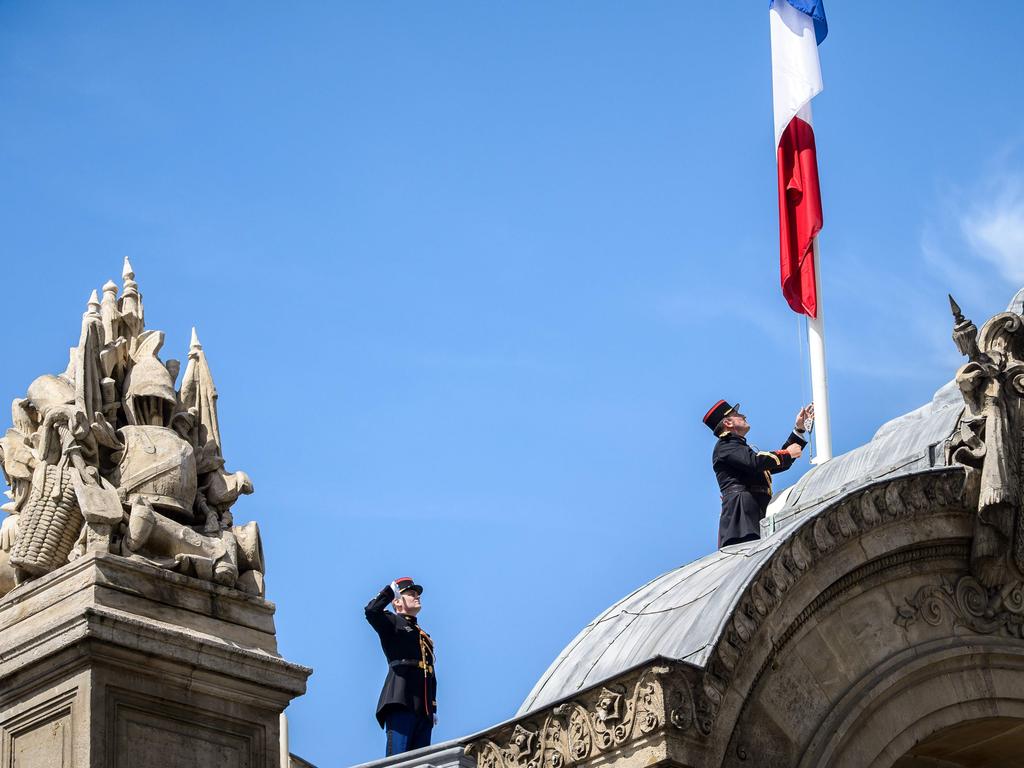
410, 683
745, 479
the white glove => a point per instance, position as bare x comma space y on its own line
394, 588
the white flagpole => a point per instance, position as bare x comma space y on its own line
819, 373
285, 751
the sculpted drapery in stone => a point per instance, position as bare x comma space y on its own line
109, 456
989, 439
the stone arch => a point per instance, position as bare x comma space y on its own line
989, 741
920, 692
870, 597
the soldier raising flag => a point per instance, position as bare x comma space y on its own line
745, 474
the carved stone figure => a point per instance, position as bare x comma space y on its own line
989, 439
108, 456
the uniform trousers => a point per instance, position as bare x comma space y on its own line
407, 730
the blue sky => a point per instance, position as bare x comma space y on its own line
469, 273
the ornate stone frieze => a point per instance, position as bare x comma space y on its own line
597, 723
969, 604
109, 456
851, 516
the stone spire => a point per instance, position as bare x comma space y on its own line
93, 307
965, 333
130, 304
198, 391
88, 394
109, 313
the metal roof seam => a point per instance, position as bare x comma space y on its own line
606, 615
672, 608
694, 652
629, 624
583, 634
624, 612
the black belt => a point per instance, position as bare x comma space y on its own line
764, 490
428, 668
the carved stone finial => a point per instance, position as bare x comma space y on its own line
94, 303
109, 313
194, 345
957, 314
965, 333
130, 305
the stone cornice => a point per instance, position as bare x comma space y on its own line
117, 608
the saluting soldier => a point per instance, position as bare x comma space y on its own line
407, 707
745, 474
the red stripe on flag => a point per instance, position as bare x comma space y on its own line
800, 216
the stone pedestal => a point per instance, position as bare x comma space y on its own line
111, 663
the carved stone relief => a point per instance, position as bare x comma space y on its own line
988, 438
109, 456
597, 723
968, 604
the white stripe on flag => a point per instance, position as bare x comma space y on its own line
796, 73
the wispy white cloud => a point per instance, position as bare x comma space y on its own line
972, 244
943, 260
994, 226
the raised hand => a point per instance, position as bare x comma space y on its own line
805, 418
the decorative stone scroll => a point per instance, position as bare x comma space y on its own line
969, 604
624, 710
109, 456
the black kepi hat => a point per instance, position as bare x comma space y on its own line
717, 412
406, 582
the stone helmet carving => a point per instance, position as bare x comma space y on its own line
150, 397
48, 391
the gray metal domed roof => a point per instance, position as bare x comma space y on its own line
680, 614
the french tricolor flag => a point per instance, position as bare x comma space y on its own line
797, 27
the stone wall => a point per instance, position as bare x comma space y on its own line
112, 662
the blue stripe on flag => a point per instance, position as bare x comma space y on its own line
816, 10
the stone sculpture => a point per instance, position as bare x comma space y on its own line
109, 456
989, 439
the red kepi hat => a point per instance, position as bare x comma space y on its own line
717, 412
406, 582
